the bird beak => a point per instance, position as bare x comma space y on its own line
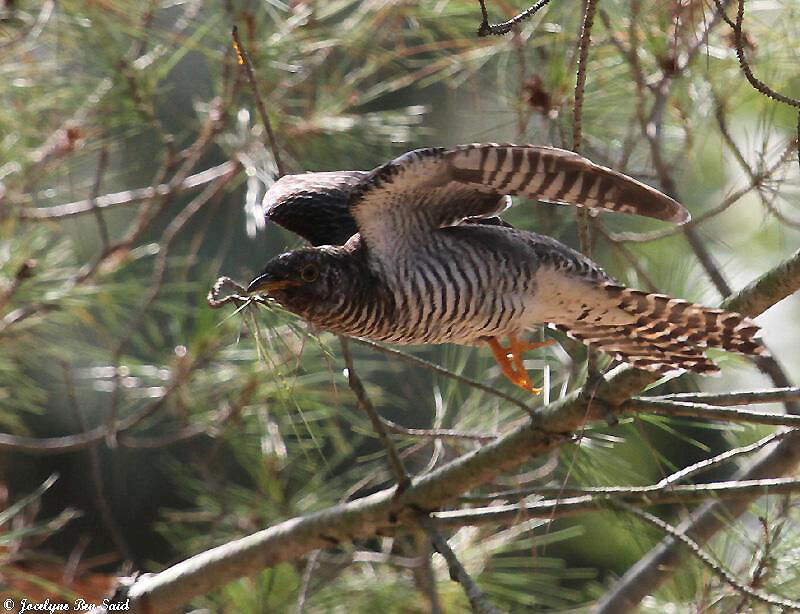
264, 284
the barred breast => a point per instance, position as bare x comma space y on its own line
465, 284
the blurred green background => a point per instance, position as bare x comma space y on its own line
244, 419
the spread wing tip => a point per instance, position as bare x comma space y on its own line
680, 214
671, 209
555, 175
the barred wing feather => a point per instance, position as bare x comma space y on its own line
559, 176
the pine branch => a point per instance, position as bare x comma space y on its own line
477, 599
711, 412
550, 427
130, 197
571, 504
657, 565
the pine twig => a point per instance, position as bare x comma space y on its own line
244, 61
426, 364
549, 429
776, 395
673, 478
581, 214
499, 29
477, 598
709, 561
438, 433
711, 412
575, 503
584, 43
129, 197
395, 462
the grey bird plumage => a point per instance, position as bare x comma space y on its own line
420, 269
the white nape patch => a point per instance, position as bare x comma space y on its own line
562, 298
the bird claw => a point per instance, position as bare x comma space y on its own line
514, 369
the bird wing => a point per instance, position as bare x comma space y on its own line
314, 205
558, 176
401, 201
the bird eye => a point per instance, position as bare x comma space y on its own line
309, 273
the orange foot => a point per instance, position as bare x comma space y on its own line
514, 369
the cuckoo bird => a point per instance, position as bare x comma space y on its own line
412, 253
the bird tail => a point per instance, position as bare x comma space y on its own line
666, 333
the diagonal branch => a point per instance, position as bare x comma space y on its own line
498, 29
709, 562
550, 427
244, 61
573, 504
395, 462
129, 197
659, 564
477, 599
710, 412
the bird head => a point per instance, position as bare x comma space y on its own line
306, 281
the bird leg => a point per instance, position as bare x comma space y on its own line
514, 369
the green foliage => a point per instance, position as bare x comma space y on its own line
221, 423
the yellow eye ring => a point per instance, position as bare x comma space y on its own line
309, 273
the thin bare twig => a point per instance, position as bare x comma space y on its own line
666, 489
584, 43
102, 163
738, 36
395, 462
244, 61
776, 395
478, 601
711, 412
661, 485
308, 572
421, 362
498, 29
129, 197
103, 508
595, 499
438, 433
708, 560
581, 214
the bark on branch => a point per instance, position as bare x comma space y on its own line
550, 426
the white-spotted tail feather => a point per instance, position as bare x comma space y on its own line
666, 334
